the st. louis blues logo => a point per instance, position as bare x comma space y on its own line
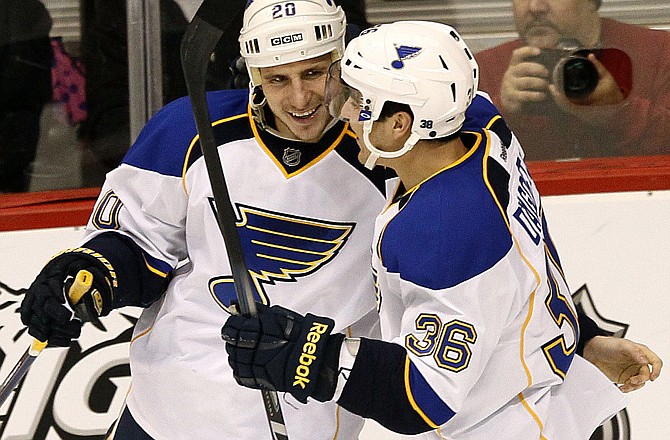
405, 53
280, 247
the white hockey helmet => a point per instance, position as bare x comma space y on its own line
425, 65
279, 32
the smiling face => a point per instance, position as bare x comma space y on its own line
295, 95
542, 23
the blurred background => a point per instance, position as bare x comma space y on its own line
73, 99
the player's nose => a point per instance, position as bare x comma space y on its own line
301, 94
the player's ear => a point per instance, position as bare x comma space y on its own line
402, 124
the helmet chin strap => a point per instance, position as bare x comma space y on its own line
253, 92
376, 153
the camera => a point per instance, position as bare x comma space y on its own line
570, 70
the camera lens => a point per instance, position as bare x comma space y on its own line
580, 77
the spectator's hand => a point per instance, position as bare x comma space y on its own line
524, 81
624, 362
606, 93
284, 351
600, 106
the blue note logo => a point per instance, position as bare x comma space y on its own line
404, 54
280, 247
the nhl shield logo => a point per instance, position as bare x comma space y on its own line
291, 157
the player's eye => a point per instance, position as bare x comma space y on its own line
313, 73
277, 79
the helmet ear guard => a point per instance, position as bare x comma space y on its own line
422, 64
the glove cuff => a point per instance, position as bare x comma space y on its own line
100, 301
94, 257
326, 383
311, 350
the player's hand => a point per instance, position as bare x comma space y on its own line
280, 350
45, 309
524, 81
627, 363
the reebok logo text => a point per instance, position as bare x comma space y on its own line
307, 356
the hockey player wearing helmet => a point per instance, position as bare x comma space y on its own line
287, 60
479, 331
306, 210
434, 115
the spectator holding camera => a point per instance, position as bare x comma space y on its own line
626, 111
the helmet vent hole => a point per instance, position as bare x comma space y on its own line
467, 52
323, 32
474, 73
444, 64
256, 47
455, 36
453, 91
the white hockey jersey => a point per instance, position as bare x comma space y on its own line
470, 284
305, 216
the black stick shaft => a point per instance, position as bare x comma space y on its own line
198, 43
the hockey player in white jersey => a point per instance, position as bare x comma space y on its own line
306, 208
306, 212
479, 329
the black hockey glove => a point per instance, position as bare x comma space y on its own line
44, 310
282, 350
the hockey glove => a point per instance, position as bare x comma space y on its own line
282, 350
44, 309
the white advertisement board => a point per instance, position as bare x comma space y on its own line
617, 245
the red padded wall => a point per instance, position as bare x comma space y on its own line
52, 209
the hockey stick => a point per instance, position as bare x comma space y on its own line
199, 41
80, 285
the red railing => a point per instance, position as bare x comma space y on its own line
72, 207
